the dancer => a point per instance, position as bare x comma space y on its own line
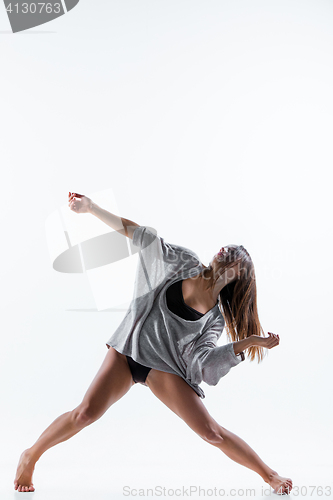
167, 342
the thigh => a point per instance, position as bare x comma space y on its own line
111, 382
177, 395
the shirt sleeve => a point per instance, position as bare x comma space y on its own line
143, 236
160, 259
209, 363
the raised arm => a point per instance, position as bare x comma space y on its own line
79, 203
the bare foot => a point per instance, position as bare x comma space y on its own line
280, 485
25, 469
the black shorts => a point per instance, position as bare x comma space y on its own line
139, 372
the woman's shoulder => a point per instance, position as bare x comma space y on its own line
184, 252
176, 257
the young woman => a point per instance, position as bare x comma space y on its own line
167, 342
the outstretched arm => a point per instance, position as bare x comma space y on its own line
82, 204
123, 226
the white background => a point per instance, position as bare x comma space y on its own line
210, 121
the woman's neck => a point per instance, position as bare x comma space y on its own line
204, 285
202, 288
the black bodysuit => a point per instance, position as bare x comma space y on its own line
176, 304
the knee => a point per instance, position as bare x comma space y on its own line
83, 416
212, 435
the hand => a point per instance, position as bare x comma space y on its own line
268, 342
79, 203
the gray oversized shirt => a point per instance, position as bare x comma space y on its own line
156, 337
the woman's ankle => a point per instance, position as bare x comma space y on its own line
31, 456
269, 475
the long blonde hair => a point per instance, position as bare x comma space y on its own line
238, 299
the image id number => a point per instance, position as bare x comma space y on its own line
32, 8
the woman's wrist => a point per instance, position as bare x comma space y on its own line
92, 208
243, 344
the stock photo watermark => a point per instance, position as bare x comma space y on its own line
23, 15
199, 491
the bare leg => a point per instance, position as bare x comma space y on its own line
177, 395
112, 381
